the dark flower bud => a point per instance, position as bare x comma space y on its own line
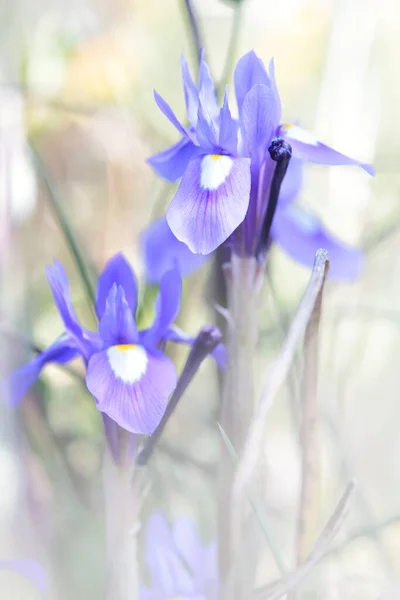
280, 149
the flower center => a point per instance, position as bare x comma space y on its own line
215, 170
128, 362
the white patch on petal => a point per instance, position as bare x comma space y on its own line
128, 362
299, 135
307, 221
215, 170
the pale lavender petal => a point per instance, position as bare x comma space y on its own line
163, 251
228, 132
206, 131
306, 147
29, 569
211, 202
187, 541
118, 271
166, 307
301, 234
250, 70
58, 281
131, 386
260, 116
16, 385
169, 576
191, 93
171, 163
117, 325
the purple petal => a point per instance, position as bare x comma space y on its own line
166, 307
131, 386
17, 384
228, 132
250, 71
58, 281
306, 147
292, 182
301, 234
206, 131
191, 93
29, 569
211, 201
207, 89
175, 334
171, 164
117, 325
260, 116
117, 271
163, 251
169, 576
169, 113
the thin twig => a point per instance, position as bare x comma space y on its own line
57, 205
276, 377
232, 49
309, 434
195, 30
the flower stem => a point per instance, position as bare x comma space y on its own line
232, 49
122, 504
244, 282
195, 30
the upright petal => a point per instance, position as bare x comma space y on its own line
207, 88
228, 131
171, 163
191, 93
117, 271
117, 325
169, 113
131, 386
206, 131
163, 251
166, 307
17, 384
306, 147
211, 201
301, 234
30, 569
58, 281
250, 70
260, 117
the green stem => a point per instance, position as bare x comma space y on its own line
72, 243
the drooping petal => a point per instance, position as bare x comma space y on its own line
228, 131
211, 201
191, 93
166, 307
301, 234
117, 325
30, 569
249, 71
171, 163
163, 251
131, 386
17, 384
175, 334
85, 341
306, 147
169, 575
260, 116
117, 271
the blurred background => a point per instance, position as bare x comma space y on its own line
76, 81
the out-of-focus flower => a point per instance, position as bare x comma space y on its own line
296, 230
129, 376
179, 564
225, 163
29, 569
